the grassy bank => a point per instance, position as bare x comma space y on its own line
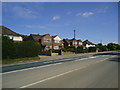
19, 60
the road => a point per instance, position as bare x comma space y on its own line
98, 71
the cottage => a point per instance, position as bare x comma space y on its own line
11, 34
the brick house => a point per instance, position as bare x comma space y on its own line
88, 44
44, 40
57, 42
72, 42
11, 34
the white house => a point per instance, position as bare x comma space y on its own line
88, 44
57, 42
11, 34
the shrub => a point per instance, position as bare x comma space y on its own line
113, 46
14, 50
92, 49
79, 49
7, 48
27, 49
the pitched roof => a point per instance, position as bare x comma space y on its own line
6, 31
66, 40
70, 40
36, 37
79, 40
53, 36
88, 42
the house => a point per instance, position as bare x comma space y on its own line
44, 40
88, 44
57, 42
72, 42
11, 34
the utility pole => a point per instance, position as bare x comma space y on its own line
74, 37
74, 34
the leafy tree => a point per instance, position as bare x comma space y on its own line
113, 46
101, 47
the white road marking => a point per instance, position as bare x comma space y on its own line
58, 75
31, 68
43, 66
51, 77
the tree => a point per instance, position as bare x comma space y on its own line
113, 46
101, 47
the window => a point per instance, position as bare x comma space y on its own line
80, 43
57, 41
74, 42
47, 40
56, 47
48, 47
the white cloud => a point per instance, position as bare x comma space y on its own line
23, 12
55, 17
85, 14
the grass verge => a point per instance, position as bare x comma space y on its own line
19, 60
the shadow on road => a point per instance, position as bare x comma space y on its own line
109, 53
117, 59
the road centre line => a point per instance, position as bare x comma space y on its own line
58, 75
42, 66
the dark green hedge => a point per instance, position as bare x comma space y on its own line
11, 50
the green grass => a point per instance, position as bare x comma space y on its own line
19, 60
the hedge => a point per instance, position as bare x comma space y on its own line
12, 50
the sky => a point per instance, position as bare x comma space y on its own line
95, 21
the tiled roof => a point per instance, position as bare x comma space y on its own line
36, 37
69, 40
5, 31
88, 42
53, 36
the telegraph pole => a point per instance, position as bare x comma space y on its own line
74, 34
74, 37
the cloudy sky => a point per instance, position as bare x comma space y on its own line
92, 21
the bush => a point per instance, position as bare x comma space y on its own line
79, 50
12, 50
92, 49
101, 47
27, 49
113, 46
7, 48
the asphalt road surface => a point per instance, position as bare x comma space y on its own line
98, 71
